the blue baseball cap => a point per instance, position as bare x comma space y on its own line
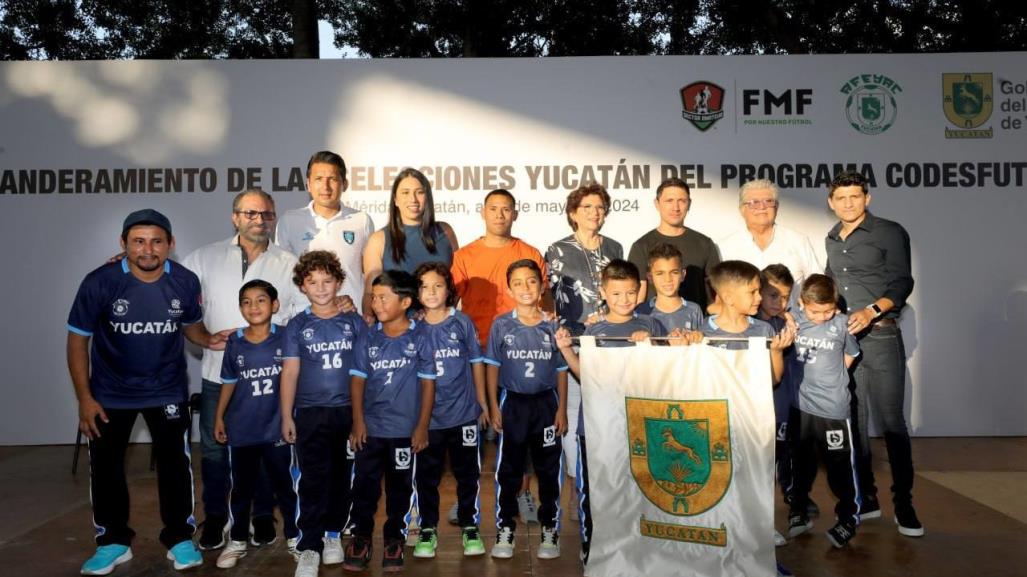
146, 216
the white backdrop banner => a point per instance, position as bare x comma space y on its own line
942, 138
680, 460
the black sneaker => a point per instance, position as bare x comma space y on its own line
214, 530
798, 524
392, 558
909, 525
870, 509
358, 554
263, 531
841, 534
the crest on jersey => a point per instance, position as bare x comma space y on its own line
120, 308
350, 453
349, 236
308, 334
411, 350
347, 330
835, 440
549, 436
372, 352
509, 340
176, 308
453, 337
403, 458
240, 360
680, 452
171, 411
469, 434
278, 354
176, 304
832, 329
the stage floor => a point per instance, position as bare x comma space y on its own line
969, 494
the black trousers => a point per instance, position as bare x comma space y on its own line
246, 465
783, 446
321, 473
394, 460
461, 443
528, 427
832, 441
169, 429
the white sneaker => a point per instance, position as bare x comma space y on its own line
308, 564
454, 516
231, 554
332, 553
504, 547
779, 539
290, 546
527, 508
550, 547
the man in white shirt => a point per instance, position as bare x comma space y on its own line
327, 224
763, 242
223, 267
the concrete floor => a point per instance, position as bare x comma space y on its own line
969, 495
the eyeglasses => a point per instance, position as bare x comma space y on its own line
754, 204
253, 214
596, 208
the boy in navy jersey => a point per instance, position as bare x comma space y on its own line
460, 410
248, 417
527, 388
667, 306
824, 350
393, 386
316, 410
126, 358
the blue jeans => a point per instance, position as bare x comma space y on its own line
214, 464
880, 389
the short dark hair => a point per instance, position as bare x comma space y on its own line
620, 269
578, 194
673, 182
401, 282
778, 274
848, 178
327, 157
666, 251
500, 192
731, 272
523, 263
441, 269
259, 284
321, 260
819, 289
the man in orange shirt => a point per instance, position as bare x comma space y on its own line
479, 269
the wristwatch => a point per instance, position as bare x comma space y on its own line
876, 309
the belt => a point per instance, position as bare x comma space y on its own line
882, 324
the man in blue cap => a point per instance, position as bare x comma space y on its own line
126, 357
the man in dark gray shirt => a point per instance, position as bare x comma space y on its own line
869, 258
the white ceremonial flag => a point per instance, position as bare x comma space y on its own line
681, 460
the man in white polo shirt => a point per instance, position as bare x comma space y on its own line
328, 224
764, 242
223, 267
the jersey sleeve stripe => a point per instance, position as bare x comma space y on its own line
477, 360
429, 376
492, 362
356, 373
79, 331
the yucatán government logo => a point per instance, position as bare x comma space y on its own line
703, 104
967, 101
871, 106
681, 461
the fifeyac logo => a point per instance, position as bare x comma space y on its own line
871, 106
703, 104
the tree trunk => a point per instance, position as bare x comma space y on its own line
305, 43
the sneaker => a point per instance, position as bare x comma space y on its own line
234, 551
454, 516
185, 555
909, 525
392, 557
841, 534
527, 508
358, 554
332, 551
550, 546
290, 546
106, 558
308, 564
783, 571
473, 545
215, 530
504, 547
870, 509
263, 532
798, 524
348, 531
812, 510
779, 539
427, 542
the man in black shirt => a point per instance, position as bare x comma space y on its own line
869, 257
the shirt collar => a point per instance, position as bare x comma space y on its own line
125, 269
866, 224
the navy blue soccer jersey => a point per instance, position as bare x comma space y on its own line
454, 342
527, 356
325, 350
688, 316
137, 355
392, 368
755, 328
253, 416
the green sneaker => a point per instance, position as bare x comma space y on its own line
427, 542
473, 545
